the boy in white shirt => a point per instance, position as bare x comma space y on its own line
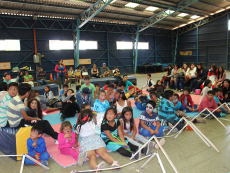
150, 84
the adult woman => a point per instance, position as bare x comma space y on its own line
221, 76
181, 75
94, 71
190, 76
174, 75
20, 77
60, 69
28, 79
202, 74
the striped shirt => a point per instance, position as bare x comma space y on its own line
14, 109
3, 110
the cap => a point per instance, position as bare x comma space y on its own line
86, 90
104, 64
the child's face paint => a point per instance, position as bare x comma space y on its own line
149, 108
67, 129
128, 116
102, 97
175, 99
110, 116
34, 104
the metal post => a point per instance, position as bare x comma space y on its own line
76, 43
155, 48
136, 50
175, 48
197, 45
107, 38
227, 42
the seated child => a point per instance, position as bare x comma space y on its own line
159, 89
141, 101
7, 78
100, 106
221, 95
226, 91
110, 94
223, 108
187, 102
106, 85
66, 140
147, 118
137, 89
97, 88
85, 96
34, 109
177, 104
111, 133
91, 143
69, 106
3, 90
48, 93
78, 88
207, 87
167, 111
149, 84
36, 146
153, 96
116, 74
210, 103
62, 92
122, 86
115, 83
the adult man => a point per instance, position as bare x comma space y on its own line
104, 70
41, 77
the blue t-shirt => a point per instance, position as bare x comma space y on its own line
128, 83
216, 99
61, 69
149, 120
7, 82
178, 105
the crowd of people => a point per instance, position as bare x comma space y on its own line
105, 118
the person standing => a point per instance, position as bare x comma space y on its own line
41, 77
60, 69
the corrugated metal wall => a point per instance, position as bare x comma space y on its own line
212, 44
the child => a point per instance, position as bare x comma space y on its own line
78, 88
130, 88
116, 74
153, 96
110, 94
66, 140
17, 116
129, 130
48, 93
141, 101
69, 105
212, 74
221, 76
84, 96
12, 92
226, 91
88, 85
106, 85
7, 78
177, 104
90, 142
167, 78
217, 93
29, 79
100, 106
34, 106
207, 87
159, 89
120, 102
128, 83
3, 90
111, 133
122, 86
174, 75
187, 103
115, 83
97, 88
147, 118
210, 103
63, 91
36, 146
149, 84
166, 110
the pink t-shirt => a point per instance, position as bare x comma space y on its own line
65, 142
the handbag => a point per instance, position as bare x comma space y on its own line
51, 102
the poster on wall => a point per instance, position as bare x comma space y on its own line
84, 61
5, 65
68, 62
185, 53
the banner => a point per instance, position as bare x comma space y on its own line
5, 65
84, 61
185, 53
68, 62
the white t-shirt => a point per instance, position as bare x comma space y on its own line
127, 130
205, 92
88, 129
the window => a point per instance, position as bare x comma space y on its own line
68, 45
229, 25
129, 45
9, 45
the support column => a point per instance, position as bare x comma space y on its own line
136, 50
197, 45
174, 46
155, 43
76, 43
107, 39
227, 37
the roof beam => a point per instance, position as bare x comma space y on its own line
93, 11
162, 15
210, 4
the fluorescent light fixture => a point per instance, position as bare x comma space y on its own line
169, 11
150, 8
110, 2
182, 14
182, 25
194, 17
131, 5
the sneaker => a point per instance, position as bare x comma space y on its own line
162, 142
210, 117
44, 162
56, 142
148, 150
115, 164
81, 158
100, 166
138, 155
